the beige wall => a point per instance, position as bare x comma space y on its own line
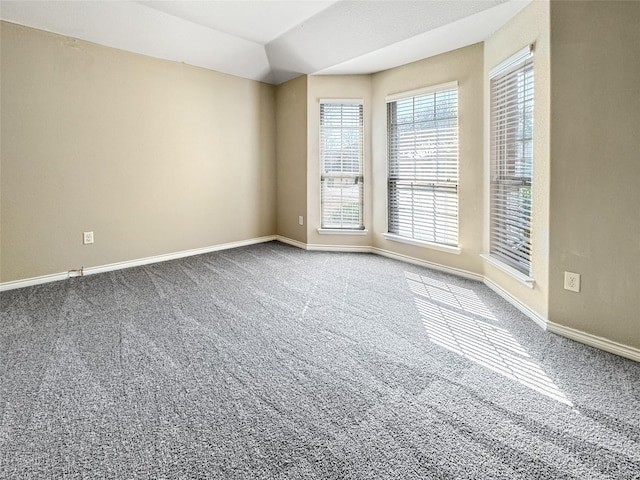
530, 26
336, 87
595, 168
153, 156
466, 66
291, 107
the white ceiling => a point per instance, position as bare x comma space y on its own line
274, 40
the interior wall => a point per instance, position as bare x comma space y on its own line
154, 157
291, 142
464, 65
595, 169
336, 87
530, 26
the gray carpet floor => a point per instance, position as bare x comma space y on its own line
270, 362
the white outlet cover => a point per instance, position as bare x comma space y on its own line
87, 237
572, 281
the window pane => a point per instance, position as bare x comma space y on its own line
341, 159
341, 202
512, 166
423, 167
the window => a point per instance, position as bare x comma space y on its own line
341, 159
422, 130
512, 161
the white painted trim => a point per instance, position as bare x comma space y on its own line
338, 248
423, 263
343, 101
515, 59
131, 263
292, 242
421, 91
420, 243
595, 341
383, 253
30, 282
176, 255
526, 280
341, 231
540, 320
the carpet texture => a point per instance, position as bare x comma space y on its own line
270, 362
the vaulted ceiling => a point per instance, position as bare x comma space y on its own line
274, 40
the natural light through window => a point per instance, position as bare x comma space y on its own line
456, 319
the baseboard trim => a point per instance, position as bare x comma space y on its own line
291, 241
323, 248
538, 319
338, 248
29, 282
383, 253
423, 263
595, 341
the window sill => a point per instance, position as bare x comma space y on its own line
341, 231
521, 277
420, 243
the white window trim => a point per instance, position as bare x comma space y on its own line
419, 243
521, 277
455, 249
515, 59
510, 63
342, 231
345, 101
421, 91
345, 231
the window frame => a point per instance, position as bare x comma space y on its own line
357, 178
511, 165
449, 247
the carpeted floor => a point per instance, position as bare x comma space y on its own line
271, 362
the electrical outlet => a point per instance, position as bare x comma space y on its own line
87, 238
572, 281
300, 220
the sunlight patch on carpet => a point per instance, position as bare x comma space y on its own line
457, 319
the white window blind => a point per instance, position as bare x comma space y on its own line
512, 161
423, 165
341, 164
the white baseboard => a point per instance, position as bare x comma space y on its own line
292, 242
323, 248
423, 263
28, 282
338, 248
595, 341
381, 252
577, 335
538, 319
